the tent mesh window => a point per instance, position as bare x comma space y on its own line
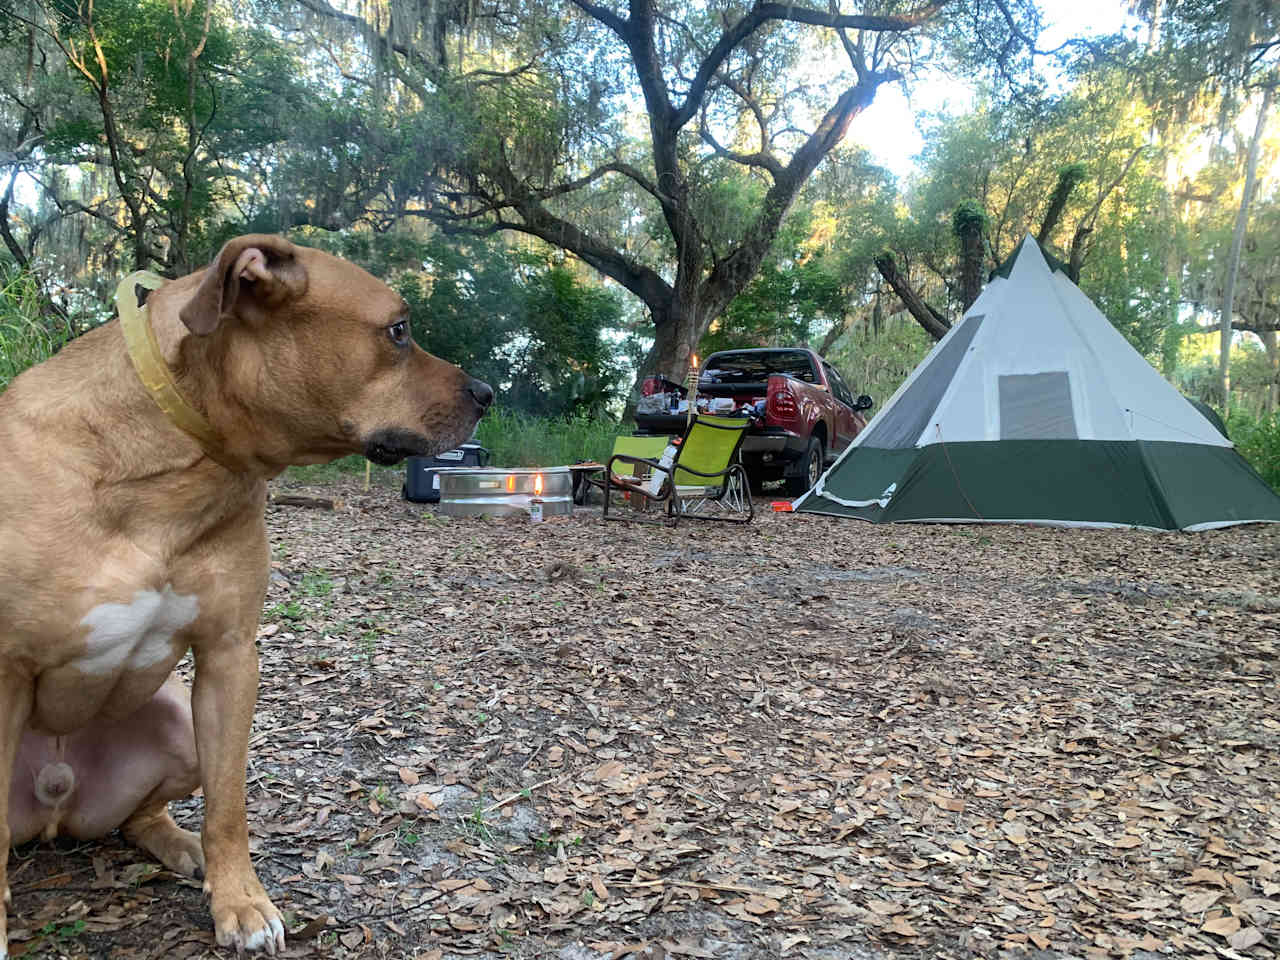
1036, 406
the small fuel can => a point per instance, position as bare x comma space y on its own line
535, 510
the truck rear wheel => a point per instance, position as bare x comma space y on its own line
810, 469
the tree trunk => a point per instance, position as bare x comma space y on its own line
934, 323
15, 249
971, 256
1237, 243
676, 335
1076, 263
1068, 177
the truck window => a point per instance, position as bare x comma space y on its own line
838, 386
756, 366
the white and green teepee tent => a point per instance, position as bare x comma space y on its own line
1034, 409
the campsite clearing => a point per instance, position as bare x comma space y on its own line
807, 738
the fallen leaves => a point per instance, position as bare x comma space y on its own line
1222, 926
723, 731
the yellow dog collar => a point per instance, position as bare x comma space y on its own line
144, 351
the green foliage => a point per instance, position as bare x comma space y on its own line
1073, 174
26, 338
1251, 376
968, 215
1258, 440
153, 116
1127, 272
533, 330
795, 288
820, 268
466, 305
351, 466
562, 363
876, 363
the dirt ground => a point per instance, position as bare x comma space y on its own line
805, 738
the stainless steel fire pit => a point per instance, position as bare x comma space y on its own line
499, 491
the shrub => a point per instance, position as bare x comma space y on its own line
1258, 440
25, 339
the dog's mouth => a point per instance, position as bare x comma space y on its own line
388, 447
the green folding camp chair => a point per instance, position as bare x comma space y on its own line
705, 480
641, 449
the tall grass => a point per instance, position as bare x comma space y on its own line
516, 439
1258, 440
25, 339
513, 439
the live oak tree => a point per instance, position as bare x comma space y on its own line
140, 123
610, 129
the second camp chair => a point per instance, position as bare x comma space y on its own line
704, 481
635, 454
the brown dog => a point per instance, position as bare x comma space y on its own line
125, 541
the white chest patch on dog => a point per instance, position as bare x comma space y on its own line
135, 635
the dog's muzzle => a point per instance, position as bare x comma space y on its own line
388, 447
480, 392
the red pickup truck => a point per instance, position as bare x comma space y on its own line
803, 413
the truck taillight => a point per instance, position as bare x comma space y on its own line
783, 404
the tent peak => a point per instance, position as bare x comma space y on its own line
1026, 243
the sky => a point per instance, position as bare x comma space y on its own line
888, 127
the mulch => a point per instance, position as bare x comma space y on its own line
804, 738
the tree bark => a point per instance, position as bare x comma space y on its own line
1068, 177
15, 249
1076, 262
1237, 243
934, 323
971, 257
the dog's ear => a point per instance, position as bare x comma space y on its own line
258, 269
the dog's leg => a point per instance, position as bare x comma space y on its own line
16, 697
164, 735
152, 829
226, 686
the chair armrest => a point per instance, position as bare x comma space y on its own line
624, 482
635, 461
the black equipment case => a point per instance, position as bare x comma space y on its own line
422, 482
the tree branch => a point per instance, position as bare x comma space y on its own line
763, 158
934, 323
763, 13
729, 275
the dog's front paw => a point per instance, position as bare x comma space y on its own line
177, 849
245, 919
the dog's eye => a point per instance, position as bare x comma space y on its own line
399, 332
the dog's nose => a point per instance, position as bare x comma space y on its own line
480, 392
